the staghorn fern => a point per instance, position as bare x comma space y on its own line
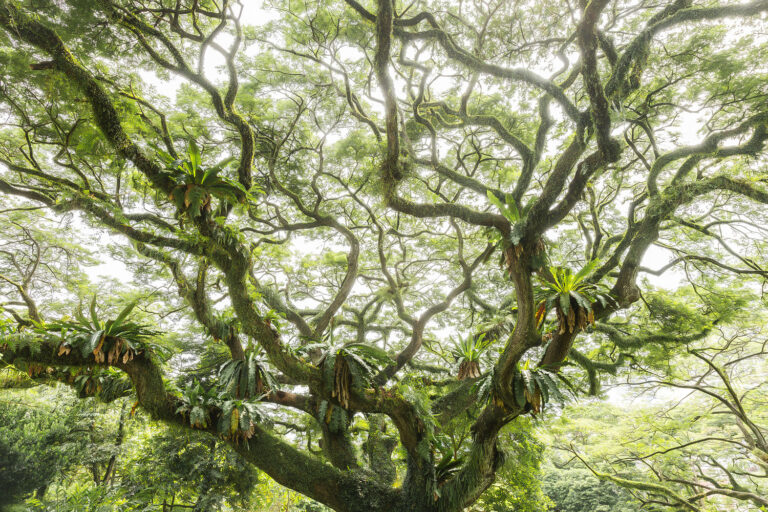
571, 297
535, 387
246, 378
234, 419
110, 341
345, 365
467, 354
196, 185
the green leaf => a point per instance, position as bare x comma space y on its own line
224, 192
516, 233
584, 272
193, 200
542, 385
94, 316
369, 351
194, 155
220, 165
558, 285
253, 375
495, 200
529, 383
124, 313
88, 347
198, 417
245, 418
552, 386
519, 386
512, 206
210, 177
225, 420
244, 382
81, 317
227, 370
509, 210
581, 300
234, 422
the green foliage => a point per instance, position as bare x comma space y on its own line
347, 365
246, 378
687, 310
49, 453
192, 468
484, 387
577, 490
237, 418
534, 387
467, 354
572, 297
519, 483
196, 402
234, 418
510, 211
37, 444
109, 341
195, 185
393, 261
107, 384
450, 462
337, 418
470, 348
684, 424
23, 339
508, 208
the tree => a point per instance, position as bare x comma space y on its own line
314, 229
67, 453
578, 491
35, 447
704, 446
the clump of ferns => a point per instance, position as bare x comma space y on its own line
196, 185
238, 419
450, 461
534, 387
571, 297
232, 403
467, 353
347, 365
336, 418
195, 404
246, 378
110, 341
207, 408
511, 245
106, 385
